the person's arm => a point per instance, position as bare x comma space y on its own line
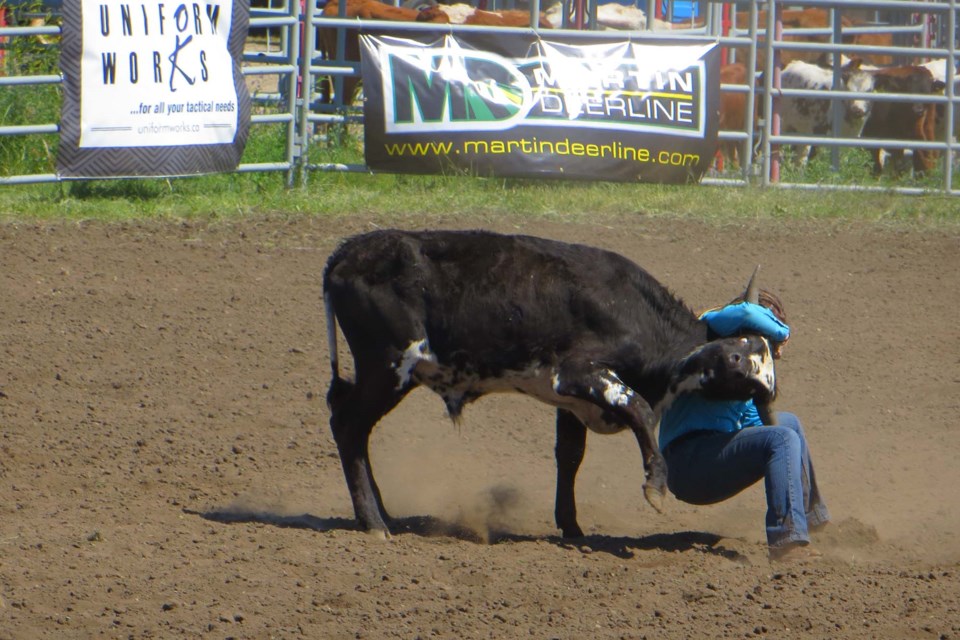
746, 316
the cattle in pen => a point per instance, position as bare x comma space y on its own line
467, 313
733, 111
938, 69
426, 12
907, 121
460, 13
814, 116
327, 37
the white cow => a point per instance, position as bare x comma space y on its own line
814, 116
612, 16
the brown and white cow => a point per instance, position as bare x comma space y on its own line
733, 110
813, 18
461, 13
903, 120
364, 10
467, 313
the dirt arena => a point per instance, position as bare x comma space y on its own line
166, 468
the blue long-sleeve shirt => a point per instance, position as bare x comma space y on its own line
691, 411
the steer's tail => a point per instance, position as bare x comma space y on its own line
331, 335
338, 386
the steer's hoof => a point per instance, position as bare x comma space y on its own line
379, 534
654, 496
572, 532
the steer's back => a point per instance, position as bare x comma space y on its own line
492, 299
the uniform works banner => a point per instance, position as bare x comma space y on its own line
152, 88
505, 104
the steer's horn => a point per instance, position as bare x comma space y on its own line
752, 292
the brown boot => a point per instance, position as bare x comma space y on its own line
794, 553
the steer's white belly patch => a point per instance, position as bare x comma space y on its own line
457, 387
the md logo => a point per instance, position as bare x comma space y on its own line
451, 89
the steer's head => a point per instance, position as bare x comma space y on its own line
734, 368
738, 368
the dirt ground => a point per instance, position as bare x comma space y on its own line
166, 468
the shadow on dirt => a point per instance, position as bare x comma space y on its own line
429, 526
301, 521
424, 526
680, 541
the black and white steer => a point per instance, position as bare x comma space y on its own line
467, 313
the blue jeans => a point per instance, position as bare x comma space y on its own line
709, 466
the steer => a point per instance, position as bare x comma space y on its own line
466, 313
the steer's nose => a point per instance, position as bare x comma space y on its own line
735, 362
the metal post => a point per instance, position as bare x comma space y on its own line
304, 95
950, 92
837, 108
771, 102
746, 162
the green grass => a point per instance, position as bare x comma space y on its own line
221, 197
855, 168
225, 196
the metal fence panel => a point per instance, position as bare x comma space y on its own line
299, 86
271, 59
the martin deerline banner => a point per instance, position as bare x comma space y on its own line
508, 104
152, 88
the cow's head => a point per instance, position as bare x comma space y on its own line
737, 368
858, 80
734, 368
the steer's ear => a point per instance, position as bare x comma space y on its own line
765, 406
853, 65
764, 402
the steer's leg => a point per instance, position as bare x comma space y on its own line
654, 466
354, 410
571, 443
619, 406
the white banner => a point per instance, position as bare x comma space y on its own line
155, 73
152, 88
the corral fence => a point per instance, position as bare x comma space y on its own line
298, 87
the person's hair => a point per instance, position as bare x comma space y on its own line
769, 300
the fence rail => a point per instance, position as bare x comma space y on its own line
283, 65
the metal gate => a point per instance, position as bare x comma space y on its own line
287, 71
